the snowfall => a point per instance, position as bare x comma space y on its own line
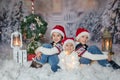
10, 70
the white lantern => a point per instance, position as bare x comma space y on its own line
16, 40
19, 56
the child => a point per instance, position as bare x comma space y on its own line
87, 54
69, 60
48, 53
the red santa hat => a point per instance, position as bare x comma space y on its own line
59, 29
68, 40
82, 31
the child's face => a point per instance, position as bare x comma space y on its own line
56, 37
83, 39
69, 47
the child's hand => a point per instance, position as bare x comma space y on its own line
38, 55
109, 57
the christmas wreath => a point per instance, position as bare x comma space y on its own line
33, 27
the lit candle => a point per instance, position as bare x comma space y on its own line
16, 42
107, 45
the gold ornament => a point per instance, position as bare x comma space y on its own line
38, 21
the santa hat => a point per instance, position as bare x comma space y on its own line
68, 40
59, 29
82, 31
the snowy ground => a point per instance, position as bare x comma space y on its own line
9, 70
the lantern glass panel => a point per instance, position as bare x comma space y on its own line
107, 44
16, 41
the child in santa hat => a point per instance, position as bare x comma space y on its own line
87, 54
69, 59
48, 53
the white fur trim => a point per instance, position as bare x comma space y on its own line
68, 41
83, 33
57, 30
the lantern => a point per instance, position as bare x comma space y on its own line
16, 40
19, 56
107, 42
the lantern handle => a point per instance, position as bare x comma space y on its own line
106, 33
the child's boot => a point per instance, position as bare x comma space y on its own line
35, 64
114, 64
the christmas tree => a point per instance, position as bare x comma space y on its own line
33, 27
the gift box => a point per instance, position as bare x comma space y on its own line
30, 57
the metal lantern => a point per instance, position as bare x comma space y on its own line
16, 40
107, 41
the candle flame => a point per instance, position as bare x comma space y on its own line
16, 41
107, 45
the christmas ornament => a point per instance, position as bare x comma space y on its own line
32, 26
32, 46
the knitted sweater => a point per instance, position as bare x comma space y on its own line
82, 52
56, 49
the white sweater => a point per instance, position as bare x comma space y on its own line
88, 55
84, 53
68, 62
58, 48
50, 51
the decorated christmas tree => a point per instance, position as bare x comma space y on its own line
33, 28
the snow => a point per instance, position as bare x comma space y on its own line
9, 70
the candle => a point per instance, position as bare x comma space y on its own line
16, 41
107, 45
